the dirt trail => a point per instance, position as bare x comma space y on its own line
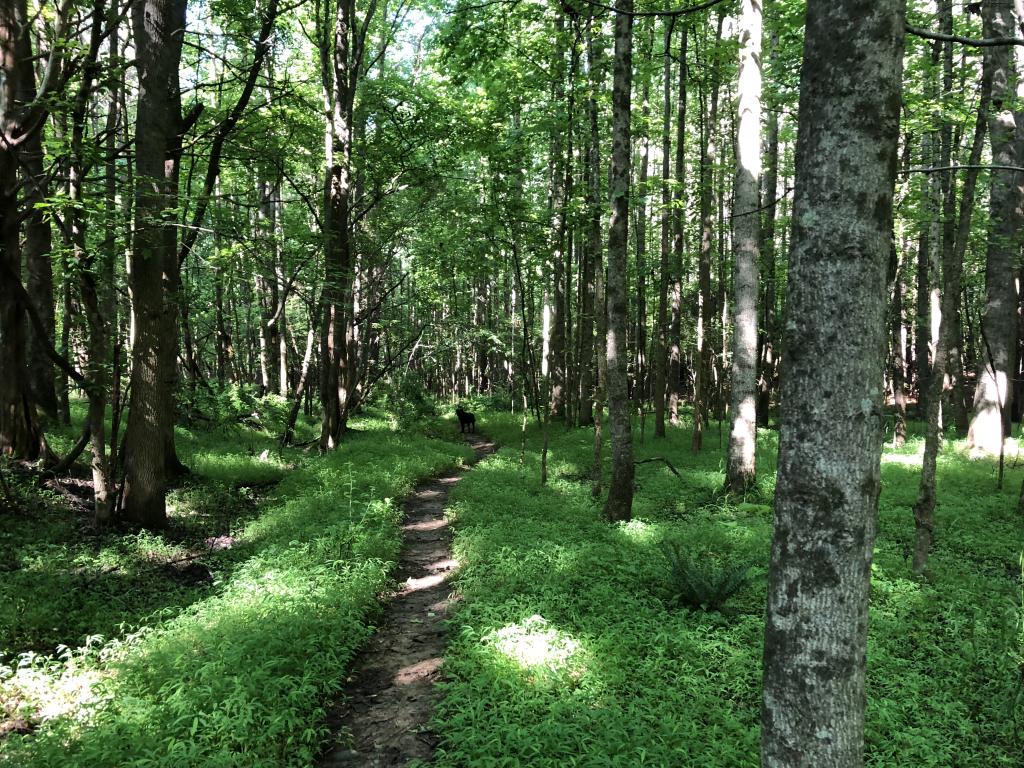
390, 697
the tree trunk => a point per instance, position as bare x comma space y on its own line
660, 353
339, 263
996, 361
159, 30
591, 311
21, 435
952, 267
675, 350
898, 377
95, 279
38, 245
619, 504
640, 334
741, 470
556, 205
766, 383
709, 153
829, 466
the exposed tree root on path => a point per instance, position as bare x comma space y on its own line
390, 697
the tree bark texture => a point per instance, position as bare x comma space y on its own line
741, 470
830, 444
21, 435
619, 503
660, 353
997, 358
159, 30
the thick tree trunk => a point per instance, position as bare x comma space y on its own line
619, 503
339, 261
997, 358
830, 444
38, 246
21, 435
741, 470
159, 30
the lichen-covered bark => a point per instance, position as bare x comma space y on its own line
741, 469
619, 504
830, 444
990, 421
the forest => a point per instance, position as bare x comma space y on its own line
511, 383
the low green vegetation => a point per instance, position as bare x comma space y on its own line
218, 642
571, 645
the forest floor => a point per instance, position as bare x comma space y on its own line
575, 642
109, 658
566, 641
390, 698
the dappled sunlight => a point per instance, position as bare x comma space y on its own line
413, 584
534, 643
43, 688
639, 531
421, 670
906, 459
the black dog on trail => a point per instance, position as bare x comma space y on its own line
467, 421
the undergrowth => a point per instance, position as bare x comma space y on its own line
236, 670
565, 651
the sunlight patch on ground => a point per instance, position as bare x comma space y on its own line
533, 643
907, 459
39, 688
639, 531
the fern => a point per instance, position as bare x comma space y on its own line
700, 583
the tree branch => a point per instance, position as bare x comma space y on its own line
225, 129
974, 42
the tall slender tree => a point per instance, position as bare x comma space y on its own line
619, 504
741, 469
660, 353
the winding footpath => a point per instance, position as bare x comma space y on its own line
390, 696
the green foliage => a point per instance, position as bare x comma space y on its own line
407, 398
240, 676
563, 653
700, 582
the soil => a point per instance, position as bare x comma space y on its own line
388, 702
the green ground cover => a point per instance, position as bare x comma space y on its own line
116, 655
569, 650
